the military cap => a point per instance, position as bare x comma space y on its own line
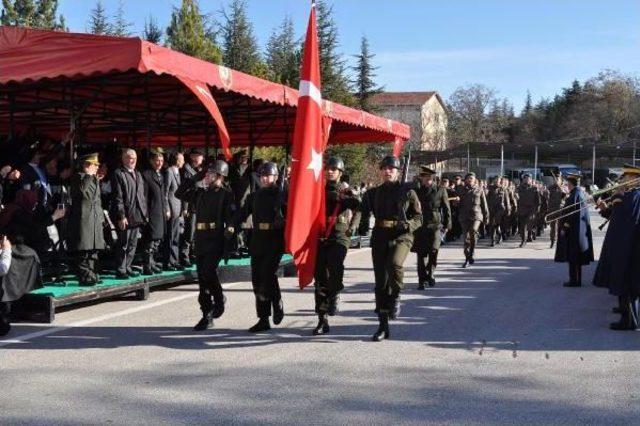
470, 174
268, 168
525, 175
90, 158
219, 167
390, 161
573, 178
629, 169
335, 162
424, 170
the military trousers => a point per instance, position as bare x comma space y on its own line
209, 286
426, 270
553, 231
495, 228
388, 252
470, 232
187, 237
87, 265
329, 274
264, 279
525, 226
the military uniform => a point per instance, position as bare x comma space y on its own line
544, 208
190, 219
499, 207
528, 206
473, 212
85, 224
557, 195
215, 210
436, 213
398, 214
333, 246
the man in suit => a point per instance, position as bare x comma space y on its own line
172, 235
157, 211
33, 176
130, 211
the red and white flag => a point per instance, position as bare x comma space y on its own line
305, 207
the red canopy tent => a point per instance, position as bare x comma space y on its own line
140, 93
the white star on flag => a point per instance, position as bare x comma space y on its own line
316, 163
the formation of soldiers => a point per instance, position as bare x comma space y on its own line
402, 217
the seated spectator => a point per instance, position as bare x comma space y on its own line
33, 177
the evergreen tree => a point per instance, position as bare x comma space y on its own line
152, 31
98, 20
239, 43
283, 54
187, 33
31, 13
120, 26
528, 105
364, 82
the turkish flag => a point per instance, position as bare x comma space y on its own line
305, 207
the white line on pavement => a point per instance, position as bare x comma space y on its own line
106, 317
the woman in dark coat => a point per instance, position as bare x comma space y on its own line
86, 219
157, 209
575, 242
619, 265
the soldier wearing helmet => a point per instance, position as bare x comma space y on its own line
398, 214
214, 208
266, 245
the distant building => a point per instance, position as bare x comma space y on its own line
425, 112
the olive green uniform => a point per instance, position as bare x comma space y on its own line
499, 207
528, 206
333, 245
473, 212
398, 214
214, 209
436, 213
266, 246
557, 195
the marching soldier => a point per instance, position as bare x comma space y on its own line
473, 211
528, 206
341, 218
398, 214
618, 269
456, 185
212, 203
266, 247
575, 243
499, 207
557, 195
85, 220
436, 213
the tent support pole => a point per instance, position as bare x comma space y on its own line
468, 158
148, 112
593, 165
501, 159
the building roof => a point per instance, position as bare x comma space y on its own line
404, 98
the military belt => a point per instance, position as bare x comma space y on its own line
386, 223
266, 226
204, 226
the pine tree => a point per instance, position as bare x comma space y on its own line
283, 54
152, 31
188, 34
335, 83
98, 20
31, 13
528, 104
120, 27
364, 82
240, 46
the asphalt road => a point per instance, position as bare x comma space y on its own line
499, 343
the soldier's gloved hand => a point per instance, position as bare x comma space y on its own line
229, 232
402, 226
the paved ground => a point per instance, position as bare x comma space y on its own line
500, 343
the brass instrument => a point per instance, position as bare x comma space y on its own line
571, 209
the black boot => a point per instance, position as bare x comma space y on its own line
5, 327
323, 325
383, 328
261, 325
421, 285
278, 312
218, 308
394, 309
431, 281
333, 305
205, 322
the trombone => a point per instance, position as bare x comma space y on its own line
573, 208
